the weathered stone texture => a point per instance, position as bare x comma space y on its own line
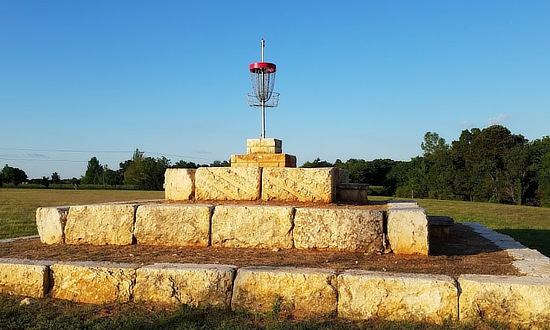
95, 283
397, 297
299, 184
189, 284
353, 192
100, 224
405, 203
252, 226
228, 183
24, 277
179, 184
339, 229
264, 146
50, 222
408, 230
263, 160
172, 224
301, 292
522, 301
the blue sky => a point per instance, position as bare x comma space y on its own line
358, 79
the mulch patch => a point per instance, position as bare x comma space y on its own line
464, 252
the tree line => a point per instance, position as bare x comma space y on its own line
144, 173
139, 172
485, 165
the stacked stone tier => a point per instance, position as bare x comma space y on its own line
368, 229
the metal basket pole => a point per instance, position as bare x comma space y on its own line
262, 87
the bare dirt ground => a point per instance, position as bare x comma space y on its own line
465, 252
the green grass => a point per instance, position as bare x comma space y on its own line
18, 206
527, 224
56, 314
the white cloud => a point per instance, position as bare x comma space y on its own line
466, 123
500, 119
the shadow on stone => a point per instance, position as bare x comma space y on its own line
462, 240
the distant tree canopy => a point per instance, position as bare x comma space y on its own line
482, 165
490, 164
317, 163
145, 173
13, 175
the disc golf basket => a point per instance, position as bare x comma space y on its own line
262, 76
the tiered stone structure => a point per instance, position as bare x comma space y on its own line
263, 153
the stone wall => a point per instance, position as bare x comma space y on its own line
300, 292
250, 226
276, 182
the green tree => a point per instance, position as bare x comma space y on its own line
13, 175
94, 172
45, 181
541, 169
55, 178
433, 143
151, 173
184, 164
218, 163
75, 182
317, 162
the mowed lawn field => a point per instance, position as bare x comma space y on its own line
18, 206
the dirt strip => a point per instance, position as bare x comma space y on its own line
465, 252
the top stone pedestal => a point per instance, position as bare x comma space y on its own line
263, 153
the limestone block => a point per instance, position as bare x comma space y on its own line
268, 142
263, 160
179, 184
252, 226
190, 284
405, 203
339, 229
397, 297
408, 230
353, 192
228, 183
95, 283
173, 224
263, 150
50, 222
343, 176
100, 224
522, 301
299, 184
299, 291
24, 277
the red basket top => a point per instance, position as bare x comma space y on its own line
260, 67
